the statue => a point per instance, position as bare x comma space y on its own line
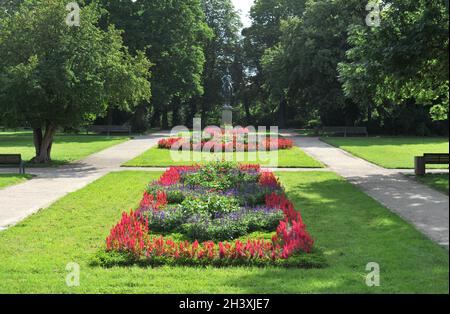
227, 89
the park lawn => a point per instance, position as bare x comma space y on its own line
349, 227
12, 179
67, 148
290, 158
391, 152
438, 181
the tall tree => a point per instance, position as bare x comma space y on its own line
220, 51
53, 75
404, 60
265, 33
172, 32
310, 49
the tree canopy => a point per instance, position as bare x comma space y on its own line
302, 63
53, 75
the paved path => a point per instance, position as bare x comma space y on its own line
425, 208
19, 201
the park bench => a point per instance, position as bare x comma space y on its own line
345, 130
421, 162
109, 129
13, 160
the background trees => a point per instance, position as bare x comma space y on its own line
404, 62
302, 63
320, 62
54, 76
172, 34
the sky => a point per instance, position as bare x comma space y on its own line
244, 6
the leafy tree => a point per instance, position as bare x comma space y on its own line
405, 60
56, 76
264, 34
172, 33
303, 67
221, 52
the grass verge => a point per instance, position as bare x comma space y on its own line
67, 148
290, 158
436, 181
391, 152
351, 229
12, 179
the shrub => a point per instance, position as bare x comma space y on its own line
166, 221
210, 205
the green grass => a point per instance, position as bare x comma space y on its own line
350, 228
67, 148
391, 152
291, 158
436, 181
12, 179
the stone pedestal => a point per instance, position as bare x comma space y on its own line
227, 116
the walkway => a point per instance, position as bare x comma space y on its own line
20, 201
425, 208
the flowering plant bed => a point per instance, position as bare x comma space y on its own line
222, 142
219, 214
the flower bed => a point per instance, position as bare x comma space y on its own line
223, 143
209, 215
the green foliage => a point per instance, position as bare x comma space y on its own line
172, 34
168, 221
209, 205
53, 75
67, 74
220, 176
114, 259
405, 60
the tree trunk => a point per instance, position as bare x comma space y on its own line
282, 114
139, 121
191, 110
165, 119
248, 115
176, 105
44, 148
156, 117
37, 139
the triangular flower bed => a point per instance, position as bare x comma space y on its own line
219, 214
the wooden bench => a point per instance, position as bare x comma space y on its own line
421, 162
345, 130
13, 160
109, 129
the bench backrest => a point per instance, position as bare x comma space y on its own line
436, 158
334, 129
11, 159
357, 130
344, 129
111, 128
